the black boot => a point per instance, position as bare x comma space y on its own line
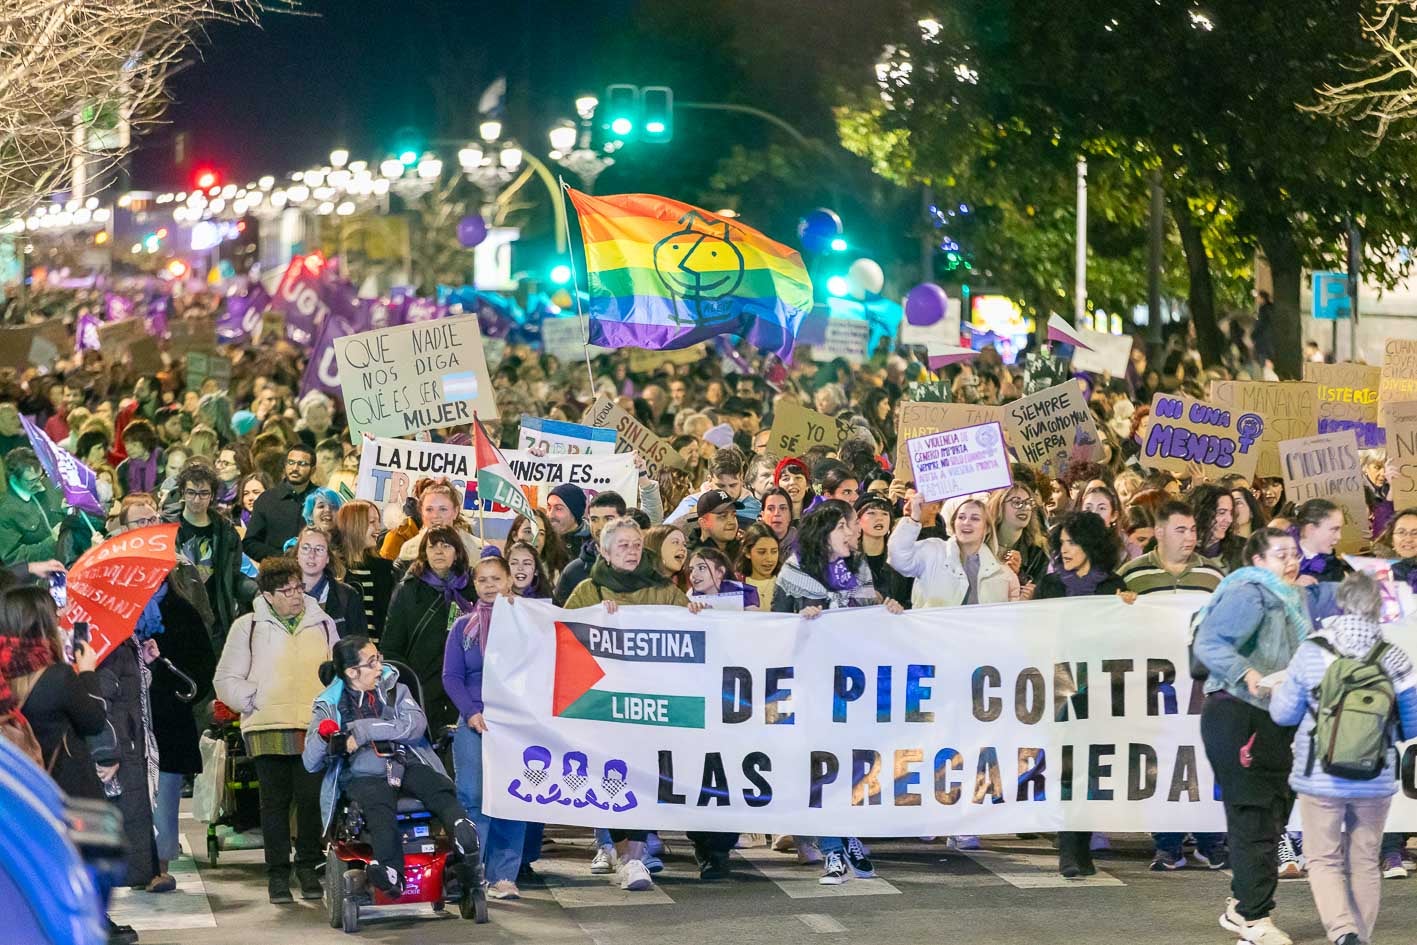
278, 887
386, 879
309, 879
121, 934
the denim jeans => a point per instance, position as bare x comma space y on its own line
169, 799
501, 840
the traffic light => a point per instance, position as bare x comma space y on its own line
621, 111
205, 178
560, 274
657, 110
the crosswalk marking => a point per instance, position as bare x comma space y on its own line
186, 907
820, 923
800, 882
1034, 870
572, 884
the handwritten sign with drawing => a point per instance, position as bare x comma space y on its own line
1182, 432
1053, 429
1399, 373
795, 429
960, 462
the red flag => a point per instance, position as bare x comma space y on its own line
112, 583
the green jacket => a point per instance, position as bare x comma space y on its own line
588, 594
26, 528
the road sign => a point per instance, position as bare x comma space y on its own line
1331, 300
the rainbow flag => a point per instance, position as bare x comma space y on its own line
664, 274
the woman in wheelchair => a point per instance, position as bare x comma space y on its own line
369, 735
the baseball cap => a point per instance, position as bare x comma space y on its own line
872, 500
713, 500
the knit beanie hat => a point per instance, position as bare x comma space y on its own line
791, 462
242, 421
574, 498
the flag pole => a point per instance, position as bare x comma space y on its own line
576, 293
479, 430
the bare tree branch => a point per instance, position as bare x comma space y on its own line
1383, 97
70, 65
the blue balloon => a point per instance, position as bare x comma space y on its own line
818, 229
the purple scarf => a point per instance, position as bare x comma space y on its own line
840, 577
476, 625
449, 587
141, 473
1081, 586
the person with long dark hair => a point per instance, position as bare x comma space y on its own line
366, 704
826, 572
1019, 538
1248, 631
434, 594
528, 576
1215, 518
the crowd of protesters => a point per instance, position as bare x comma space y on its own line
280, 563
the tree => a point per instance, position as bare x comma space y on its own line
1211, 98
73, 65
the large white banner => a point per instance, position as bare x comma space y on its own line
1038, 716
389, 469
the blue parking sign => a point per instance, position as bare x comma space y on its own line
1331, 301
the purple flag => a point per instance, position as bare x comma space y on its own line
116, 307
299, 295
423, 310
86, 332
77, 480
322, 371
241, 315
157, 316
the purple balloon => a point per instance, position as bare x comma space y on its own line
926, 304
472, 229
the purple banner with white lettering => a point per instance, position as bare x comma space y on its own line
78, 482
322, 371
86, 332
116, 307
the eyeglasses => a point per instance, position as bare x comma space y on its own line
374, 662
294, 590
300, 463
313, 550
1021, 504
197, 494
145, 522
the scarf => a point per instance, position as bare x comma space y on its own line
141, 473
1081, 586
150, 620
1355, 636
795, 582
645, 575
476, 624
450, 587
1295, 613
840, 577
20, 658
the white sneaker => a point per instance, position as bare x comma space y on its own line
748, 841
503, 889
1291, 864
783, 843
604, 861
837, 871
635, 877
1256, 931
808, 853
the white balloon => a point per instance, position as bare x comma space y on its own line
866, 274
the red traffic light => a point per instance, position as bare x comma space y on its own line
206, 178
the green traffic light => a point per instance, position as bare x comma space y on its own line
654, 127
560, 274
622, 126
409, 158
838, 245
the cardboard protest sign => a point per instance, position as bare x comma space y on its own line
563, 338
115, 337
186, 335
144, 355
633, 435
1109, 354
796, 429
1348, 399
1399, 372
960, 462
1401, 421
920, 418
845, 338
423, 376
1327, 466
27, 346
1053, 429
557, 437
1182, 432
389, 469
202, 365
1288, 409
643, 361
